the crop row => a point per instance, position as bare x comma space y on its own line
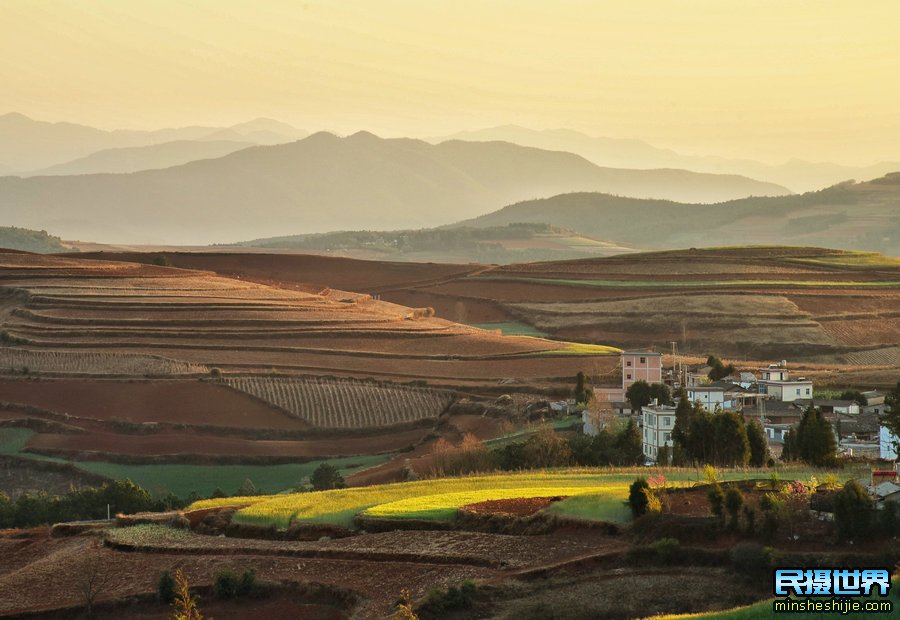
345, 403
90, 362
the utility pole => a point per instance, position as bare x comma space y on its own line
674, 363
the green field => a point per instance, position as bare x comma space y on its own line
512, 328
595, 494
160, 479
590, 283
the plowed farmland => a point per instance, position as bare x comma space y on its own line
752, 303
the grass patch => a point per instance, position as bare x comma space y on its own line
180, 479
577, 348
13, 440
853, 260
512, 328
594, 507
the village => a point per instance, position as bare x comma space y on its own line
772, 397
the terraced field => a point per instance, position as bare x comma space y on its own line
68, 316
752, 303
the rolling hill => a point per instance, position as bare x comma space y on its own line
27, 144
327, 183
799, 175
853, 216
12, 238
496, 244
149, 157
814, 305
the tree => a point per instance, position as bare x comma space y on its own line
166, 588
891, 416
759, 446
854, 395
853, 512
815, 440
734, 500
630, 445
641, 393
731, 446
718, 370
325, 477
638, 394
638, 498
582, 393
546, 448
247, 489
681, 432
92, 577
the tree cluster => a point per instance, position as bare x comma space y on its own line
720, 438
32, 509
718, 370
812, 441
641, 393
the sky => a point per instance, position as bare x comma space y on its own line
768, 80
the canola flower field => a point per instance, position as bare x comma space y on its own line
593, 494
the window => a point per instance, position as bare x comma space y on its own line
628, 363
643, 360
667, 437
798, 391
667, 421
628, 376
807, 391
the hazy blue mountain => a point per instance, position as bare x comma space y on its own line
796, 174
855, 216
325, 183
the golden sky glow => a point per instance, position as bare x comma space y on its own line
764, 79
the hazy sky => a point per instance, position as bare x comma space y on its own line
764, 79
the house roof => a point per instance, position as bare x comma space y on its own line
886, 488
824, 402
642, 353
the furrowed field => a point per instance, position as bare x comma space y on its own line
592, 494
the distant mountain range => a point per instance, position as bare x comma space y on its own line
324, 183
851, 216
798, 175
28, 145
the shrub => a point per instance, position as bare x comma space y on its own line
853, 512
889, 518
226, 584
749, 521
710, 473
734, 499
637, 497
215, 372
247, 585
752, 560
325, 477
451, 599
716, 502
166, 588
666, 549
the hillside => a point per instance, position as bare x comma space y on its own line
326, 183
27, 144
813, 305
854, 216
496, 244
150, 157
798, 175
12, 238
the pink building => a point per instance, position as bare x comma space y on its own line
641, 366
636, 366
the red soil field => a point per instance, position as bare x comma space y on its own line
176, 401
185, 442
516, 507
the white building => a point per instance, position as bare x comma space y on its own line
658, 422
777, 383
887, 444
710, 397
